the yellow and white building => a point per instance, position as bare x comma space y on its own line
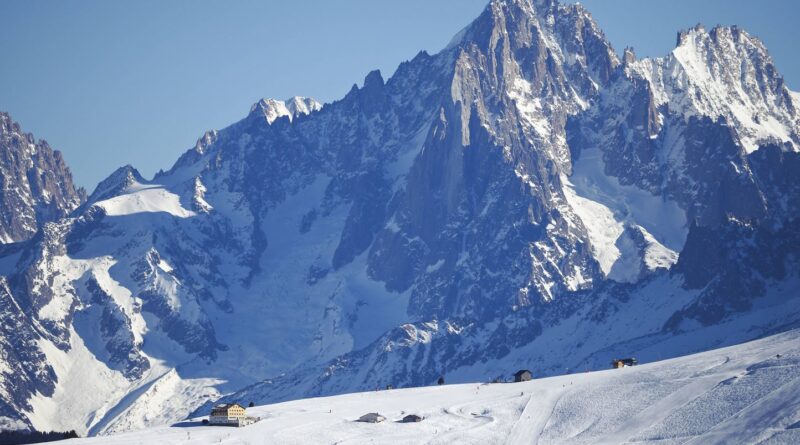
229, 414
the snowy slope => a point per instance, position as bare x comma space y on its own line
607, 208
576, 334
742, 394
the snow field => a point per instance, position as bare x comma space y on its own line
738, 394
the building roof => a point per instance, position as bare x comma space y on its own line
224, 407
227, 405
371, 417
522, 371
412, 418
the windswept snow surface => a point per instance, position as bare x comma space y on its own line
740, 394
606, 207
144, 198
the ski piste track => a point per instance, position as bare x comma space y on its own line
748, 393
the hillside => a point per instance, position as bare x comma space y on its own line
742, 394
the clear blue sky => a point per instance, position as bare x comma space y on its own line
112, 83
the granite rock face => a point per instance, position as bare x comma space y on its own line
37, 184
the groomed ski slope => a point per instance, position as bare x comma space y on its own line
740, 394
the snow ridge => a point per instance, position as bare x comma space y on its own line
273, 109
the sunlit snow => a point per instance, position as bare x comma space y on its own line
741, 394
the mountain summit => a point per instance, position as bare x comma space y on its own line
272, 109
37, 184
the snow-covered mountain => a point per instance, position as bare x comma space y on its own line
745, 394
296, 106
522, 198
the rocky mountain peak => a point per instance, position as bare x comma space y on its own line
628, 56
208, 138
116, 183
526, 6
298, 105
7, 125
500, 19
37, 185
272, 109
728, 73
373, 79
722, 44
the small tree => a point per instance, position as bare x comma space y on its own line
441, 380
251, 404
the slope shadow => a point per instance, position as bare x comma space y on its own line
187, 424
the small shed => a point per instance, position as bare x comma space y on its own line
411, 418
523, 375
371, 418
623, 362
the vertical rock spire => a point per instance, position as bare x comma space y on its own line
37, 184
